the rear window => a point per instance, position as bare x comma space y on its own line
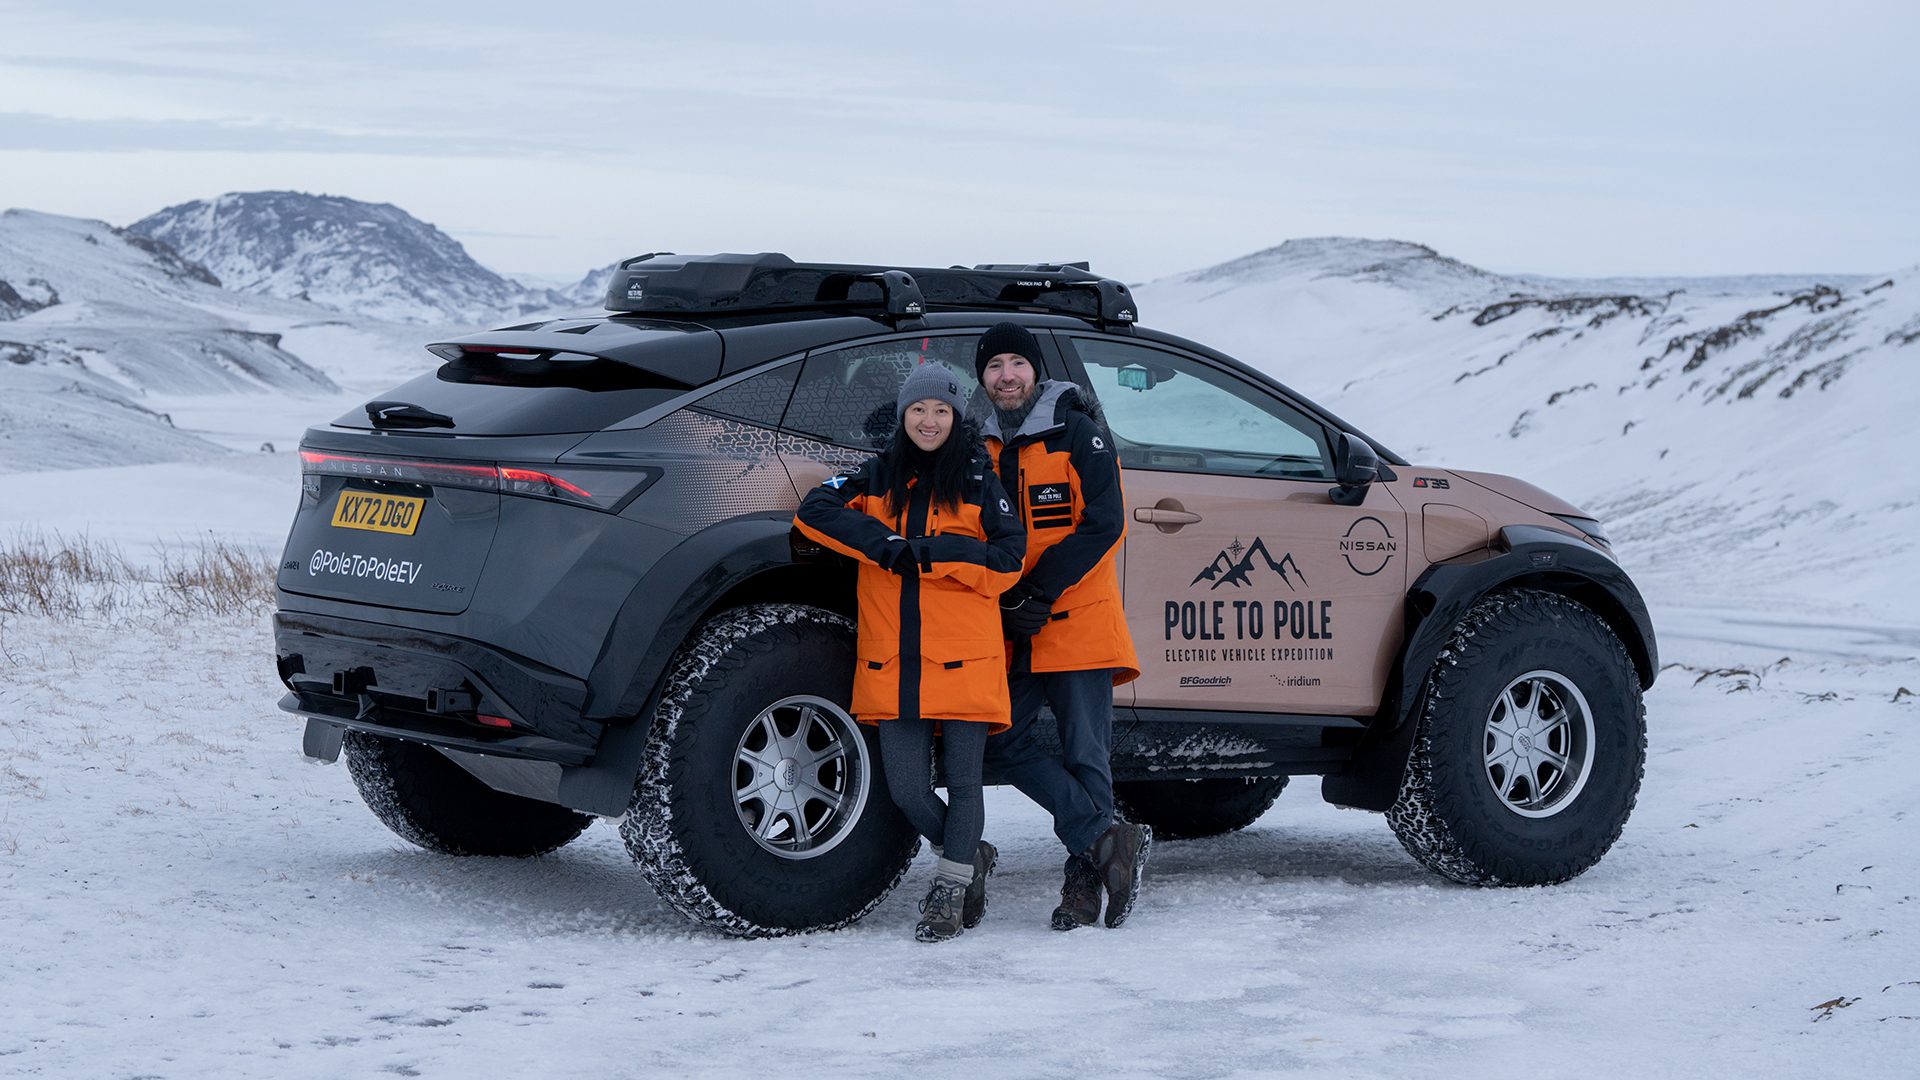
492, 395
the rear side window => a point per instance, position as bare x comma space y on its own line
848, 395
760, 400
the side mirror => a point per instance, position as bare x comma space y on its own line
1355, 467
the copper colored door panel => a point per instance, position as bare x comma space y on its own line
1261, 595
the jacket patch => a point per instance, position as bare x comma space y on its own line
1049, 495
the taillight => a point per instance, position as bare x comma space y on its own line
435, 473
600, 489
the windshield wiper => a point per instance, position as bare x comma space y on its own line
404, 414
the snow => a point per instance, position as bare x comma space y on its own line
185, 895
139, 360
1723, 431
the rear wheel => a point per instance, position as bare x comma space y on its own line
1531, 743
1190, 809
422, 795
759, 808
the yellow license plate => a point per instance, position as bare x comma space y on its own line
378, 513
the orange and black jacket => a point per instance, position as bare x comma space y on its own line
929, 641
1064, 479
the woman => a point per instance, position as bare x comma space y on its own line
937, 543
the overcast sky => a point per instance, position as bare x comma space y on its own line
1623, 138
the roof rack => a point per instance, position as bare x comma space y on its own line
662, 283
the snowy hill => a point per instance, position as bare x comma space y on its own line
1726, 430
590, 292
94, 321
372, 259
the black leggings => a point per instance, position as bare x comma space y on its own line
906, 756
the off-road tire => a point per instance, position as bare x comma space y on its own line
1191, 809
424, 797
1448, 814
683, 826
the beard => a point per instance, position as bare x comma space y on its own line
1010, 399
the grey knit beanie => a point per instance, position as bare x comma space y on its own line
930, 381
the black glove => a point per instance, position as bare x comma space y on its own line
1023, 612
899, 557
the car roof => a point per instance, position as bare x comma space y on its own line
748, 339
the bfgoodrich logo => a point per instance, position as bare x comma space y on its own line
1206, 680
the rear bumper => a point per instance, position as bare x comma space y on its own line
430, 688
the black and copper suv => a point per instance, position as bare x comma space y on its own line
554, 579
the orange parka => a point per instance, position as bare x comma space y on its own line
1064, 479
929, 640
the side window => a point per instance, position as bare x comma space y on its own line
847, 396
1178, 414
760, 400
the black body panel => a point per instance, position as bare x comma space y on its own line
550, 585
432, 569
389, 679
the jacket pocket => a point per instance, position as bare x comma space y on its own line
876, 680
964, 679
1087, 636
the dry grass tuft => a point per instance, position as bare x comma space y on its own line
69, 578
61, 577
216, 578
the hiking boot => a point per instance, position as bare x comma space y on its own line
940, 911
1079, 895
1120, 855
974, 908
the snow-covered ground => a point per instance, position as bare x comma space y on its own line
186, 896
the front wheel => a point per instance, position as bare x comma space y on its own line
759, 809
1531, 742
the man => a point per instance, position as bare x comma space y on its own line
1069, 641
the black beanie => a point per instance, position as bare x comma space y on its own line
1005, 337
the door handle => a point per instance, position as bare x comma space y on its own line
1167, 515
1153, 515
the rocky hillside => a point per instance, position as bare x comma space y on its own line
371, 259
1724, 429
95, 319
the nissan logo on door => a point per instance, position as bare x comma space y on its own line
1368, 546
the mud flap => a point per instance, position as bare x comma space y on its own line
322, 741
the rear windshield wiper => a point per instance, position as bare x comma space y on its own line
404, 414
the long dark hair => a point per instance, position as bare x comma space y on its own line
944, 471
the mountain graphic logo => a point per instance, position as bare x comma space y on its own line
1234, 565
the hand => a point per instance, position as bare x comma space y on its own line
1023, 612
899, 558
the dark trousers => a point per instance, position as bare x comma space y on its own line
1076, 787
906, 756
